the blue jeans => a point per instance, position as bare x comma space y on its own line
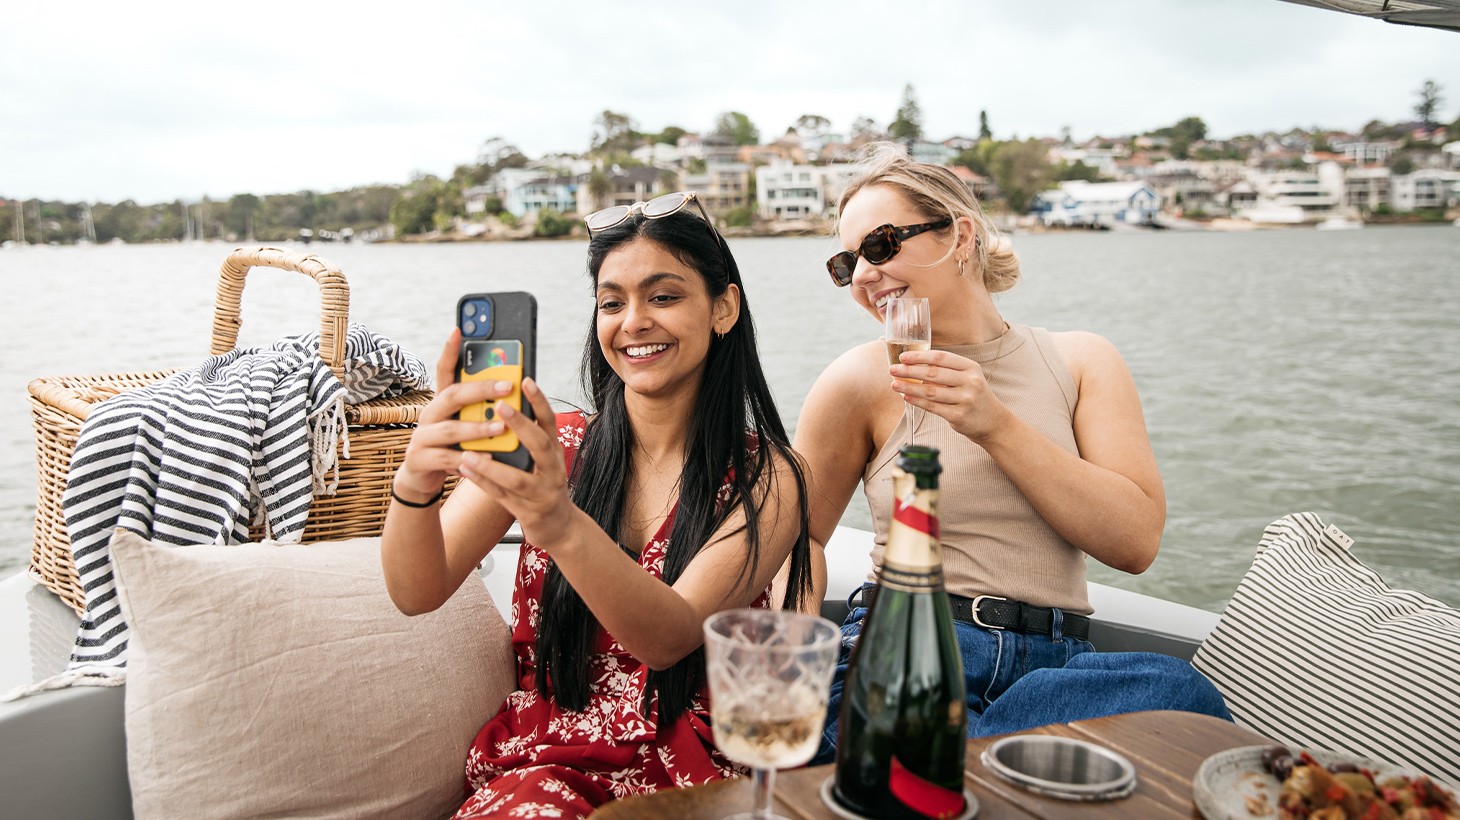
1016, 681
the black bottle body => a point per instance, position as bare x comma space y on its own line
901, 741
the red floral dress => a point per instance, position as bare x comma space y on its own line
537, 759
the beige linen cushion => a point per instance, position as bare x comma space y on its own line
280, 681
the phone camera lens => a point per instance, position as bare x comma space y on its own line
476, 318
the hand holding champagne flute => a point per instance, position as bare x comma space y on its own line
909, 326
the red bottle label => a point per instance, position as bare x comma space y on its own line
922, 796
914, 518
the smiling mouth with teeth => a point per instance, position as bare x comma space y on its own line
881, 303
640, 351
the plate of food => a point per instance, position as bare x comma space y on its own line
1284, 784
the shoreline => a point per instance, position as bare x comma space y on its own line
804, 229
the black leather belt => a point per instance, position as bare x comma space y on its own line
993, 612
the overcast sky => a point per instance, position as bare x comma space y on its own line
155, 101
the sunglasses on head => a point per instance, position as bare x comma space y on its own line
656, 208
878, 246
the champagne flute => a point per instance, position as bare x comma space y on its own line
909, 326
770, 674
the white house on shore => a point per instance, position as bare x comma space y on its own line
1427, 188
786, 191
1296, 197
1094, 204
524, 192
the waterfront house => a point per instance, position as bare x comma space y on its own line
1102, 159
720, 148
722, 187
658, 154
1367, 152
789, 146
1179, 184
691, 146
625, 186
766, 154
1077, 203
787, 191
475, 199
524, 192
1295, 197
1426, 189
1366, 189
1236, 196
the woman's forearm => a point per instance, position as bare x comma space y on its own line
413, 558
1102, 512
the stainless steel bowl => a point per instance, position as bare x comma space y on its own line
1061, 767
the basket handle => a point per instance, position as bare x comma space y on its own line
334, 317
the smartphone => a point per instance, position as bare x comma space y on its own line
498, 343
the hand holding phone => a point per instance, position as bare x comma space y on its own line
498, 343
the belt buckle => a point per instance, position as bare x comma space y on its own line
978, 599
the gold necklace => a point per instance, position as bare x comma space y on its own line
988, 373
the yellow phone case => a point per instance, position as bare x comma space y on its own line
503, 363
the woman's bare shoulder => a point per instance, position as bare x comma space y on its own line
850, 374
851, 369
1086, 352
839, 397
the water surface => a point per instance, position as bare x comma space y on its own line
1281, 371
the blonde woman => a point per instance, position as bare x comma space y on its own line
1043, 446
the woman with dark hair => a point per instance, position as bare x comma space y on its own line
677, 495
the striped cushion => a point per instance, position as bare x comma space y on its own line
1316, 651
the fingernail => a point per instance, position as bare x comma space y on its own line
505, 410
503, 387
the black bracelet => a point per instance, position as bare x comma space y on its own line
418, 505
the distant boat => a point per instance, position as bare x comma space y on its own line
1340, 223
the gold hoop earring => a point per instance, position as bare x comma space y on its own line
963, 266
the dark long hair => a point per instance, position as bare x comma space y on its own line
734, 401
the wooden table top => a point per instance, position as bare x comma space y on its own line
1165, 747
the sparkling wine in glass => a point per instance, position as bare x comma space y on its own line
770, 673
909, 326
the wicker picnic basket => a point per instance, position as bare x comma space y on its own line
378, 430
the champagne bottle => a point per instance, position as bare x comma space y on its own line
902, 724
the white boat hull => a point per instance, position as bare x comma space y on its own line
84, 726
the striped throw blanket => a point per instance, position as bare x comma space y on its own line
195, 458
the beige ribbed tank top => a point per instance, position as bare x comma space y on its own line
994, 543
